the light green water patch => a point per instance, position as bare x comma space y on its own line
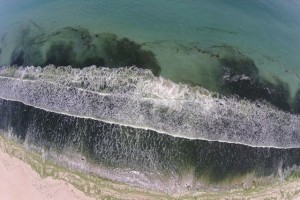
186, 63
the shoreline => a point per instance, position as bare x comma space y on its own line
88, 186
19, 181
26, 174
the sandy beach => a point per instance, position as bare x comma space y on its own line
19, 181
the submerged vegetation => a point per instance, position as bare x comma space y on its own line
240, 76
78, 48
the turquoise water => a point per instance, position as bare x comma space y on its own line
266, 31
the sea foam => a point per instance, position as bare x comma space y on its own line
134, 97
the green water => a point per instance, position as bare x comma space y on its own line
265, 31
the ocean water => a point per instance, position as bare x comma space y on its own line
266, 32
214, 96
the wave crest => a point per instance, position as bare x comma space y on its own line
134, 97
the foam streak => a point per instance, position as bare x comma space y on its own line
134, 97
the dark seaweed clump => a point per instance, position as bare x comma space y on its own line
17, 57
60, 54
63, 54
78, 48
297, 102
240, 76
125, 52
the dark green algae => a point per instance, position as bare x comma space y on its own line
241, 77
79, 48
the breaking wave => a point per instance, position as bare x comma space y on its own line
136, 98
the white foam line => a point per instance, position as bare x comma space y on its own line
133, 97
147, 128
92, 91
81, 89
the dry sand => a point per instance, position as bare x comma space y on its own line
18, 181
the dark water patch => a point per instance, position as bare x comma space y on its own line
233, 73
241, 77
143, 150
17, 57
296, 102
3, 39
103, 49
123, 52
79, 48
60, 54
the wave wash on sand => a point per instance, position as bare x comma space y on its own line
134, 97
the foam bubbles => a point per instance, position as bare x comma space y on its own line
136, 98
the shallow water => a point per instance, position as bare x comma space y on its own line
267, 32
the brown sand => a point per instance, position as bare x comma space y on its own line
19, 181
